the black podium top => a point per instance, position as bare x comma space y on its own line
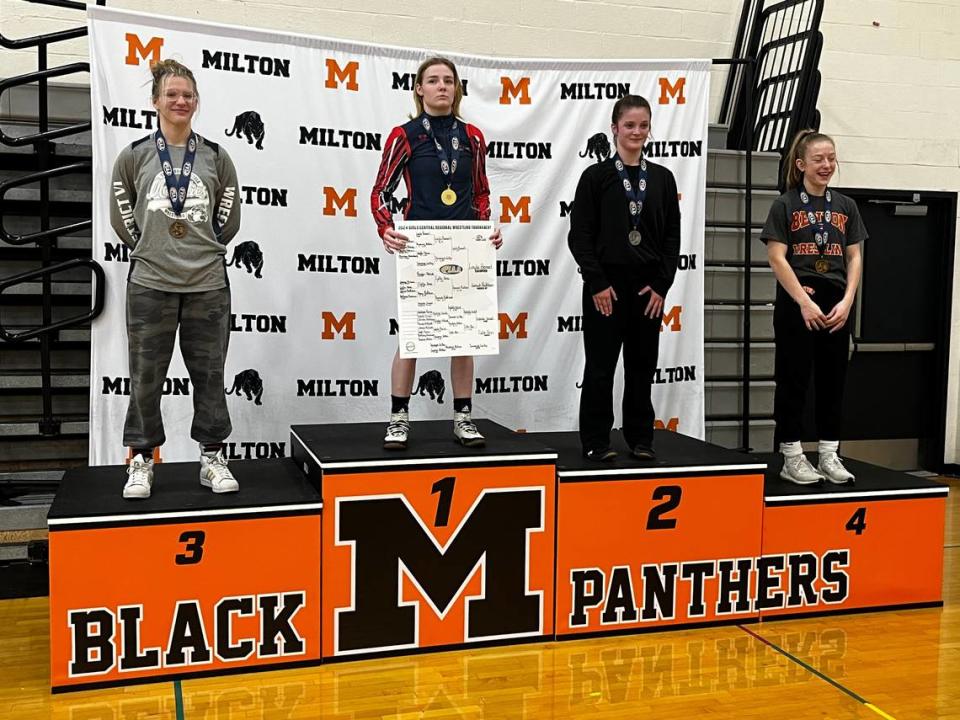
92, 496
676, 455
338, 446
873, 483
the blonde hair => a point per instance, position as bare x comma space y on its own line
163, 69
792, 175
458, 86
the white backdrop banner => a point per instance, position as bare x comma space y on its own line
314, 329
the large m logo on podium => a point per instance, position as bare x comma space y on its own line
478, 578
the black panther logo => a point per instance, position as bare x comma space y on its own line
249, 125
249, 255
431, 382
598, 147
249, 383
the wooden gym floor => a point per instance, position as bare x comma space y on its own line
874, 665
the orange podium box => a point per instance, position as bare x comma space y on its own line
646, 545
185, 583
435, 547
873, 545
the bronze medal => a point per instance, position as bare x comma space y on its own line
635, 237
822, 266
448, 196
178, 229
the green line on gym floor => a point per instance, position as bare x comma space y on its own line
178, 694
816, 672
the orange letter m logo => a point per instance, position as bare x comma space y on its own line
517, 328
510, 209
674, 90
512, 90
671, 319
333, 326
337, 75
346, 202
137, 50
673, 424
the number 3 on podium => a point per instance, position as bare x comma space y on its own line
193, 547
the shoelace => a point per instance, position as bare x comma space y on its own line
833, 464
397, 427
799, 463
218, 464
467, 426
138, 474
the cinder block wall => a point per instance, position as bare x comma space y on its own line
891, 68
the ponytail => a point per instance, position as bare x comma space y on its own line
792, 175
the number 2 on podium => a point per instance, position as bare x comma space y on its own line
670, 494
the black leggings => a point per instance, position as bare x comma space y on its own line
603, 338
798, 351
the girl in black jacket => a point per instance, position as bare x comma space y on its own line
625, 236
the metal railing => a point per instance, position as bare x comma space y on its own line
47, 236
771, 92
785, 40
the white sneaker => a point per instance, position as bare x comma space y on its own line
797, 469
139, 478
397, 431
215, 474
833, 470
466, 432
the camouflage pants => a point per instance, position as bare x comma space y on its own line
153, 317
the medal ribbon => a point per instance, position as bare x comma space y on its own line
822, 232
448, 163
176, 186
635, 196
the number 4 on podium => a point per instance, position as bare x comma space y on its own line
858, 521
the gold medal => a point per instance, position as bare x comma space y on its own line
178, 229
822, 266
448, 197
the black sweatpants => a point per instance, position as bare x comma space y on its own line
603, 337
800, 351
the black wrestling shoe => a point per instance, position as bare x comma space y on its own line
606, 454
643, 452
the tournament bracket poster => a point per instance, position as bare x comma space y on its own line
313, 317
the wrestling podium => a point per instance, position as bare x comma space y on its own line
347, 551
186, 582
437, 546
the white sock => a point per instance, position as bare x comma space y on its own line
791, 449
828, 446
